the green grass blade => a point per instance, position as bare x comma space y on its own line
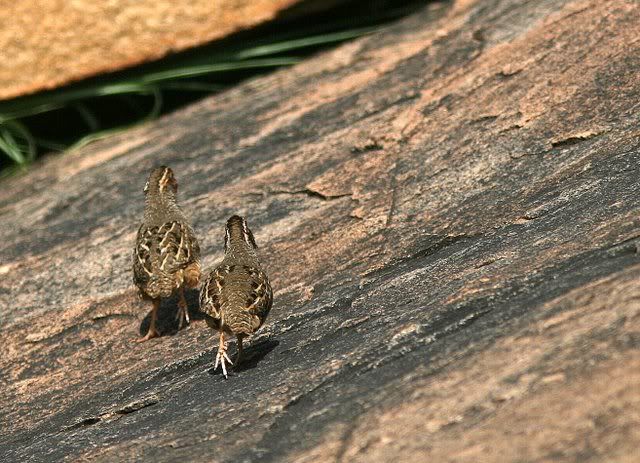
89, 118
153, 113
50, 145
21, 130
206, 69
27, 110
10, 148
31, 106
305, 42
205, 87
21, 153
92, 137
157, 103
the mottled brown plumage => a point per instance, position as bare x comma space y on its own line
236, 296
166, 254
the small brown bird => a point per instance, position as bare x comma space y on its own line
236, 296
166, 254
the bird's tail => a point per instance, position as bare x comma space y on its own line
160, 285
192, 275
236, 316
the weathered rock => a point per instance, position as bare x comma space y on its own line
44, 45
449, 214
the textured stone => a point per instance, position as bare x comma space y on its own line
47, 44
449, 214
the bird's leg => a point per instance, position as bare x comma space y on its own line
222, 356
152, 332
239, 356
183, 309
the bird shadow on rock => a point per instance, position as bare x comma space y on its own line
253, 354
168, 323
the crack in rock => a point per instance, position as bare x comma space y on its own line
127, 409
574, 139
310, 193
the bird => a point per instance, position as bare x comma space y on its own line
166, 255
236, 296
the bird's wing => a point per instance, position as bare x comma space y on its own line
260, 298
142, 252
177, 247
192, 245
163, 249
211, 294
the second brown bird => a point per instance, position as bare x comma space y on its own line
236, 296
166, 254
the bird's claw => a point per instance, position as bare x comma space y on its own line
222, 358
183, 318
150, 335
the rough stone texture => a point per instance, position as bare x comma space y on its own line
45, 44
449, 214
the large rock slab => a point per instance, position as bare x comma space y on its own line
449, 214
44, 45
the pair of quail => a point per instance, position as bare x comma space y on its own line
236, 295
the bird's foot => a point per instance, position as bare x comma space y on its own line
222, 358
240, 353
150, 335
182, 316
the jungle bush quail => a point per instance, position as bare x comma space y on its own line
236, 296
166, 254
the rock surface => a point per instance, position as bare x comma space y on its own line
449, 214
82, 38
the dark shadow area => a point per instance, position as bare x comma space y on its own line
253, 354
168, 313
193, 301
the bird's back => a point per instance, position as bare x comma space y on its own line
160, 255
237, 297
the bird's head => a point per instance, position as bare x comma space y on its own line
237, 234
161, 182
